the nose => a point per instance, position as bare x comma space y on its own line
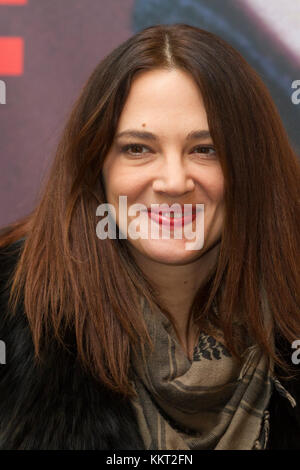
173, 178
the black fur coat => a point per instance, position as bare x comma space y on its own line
58, 405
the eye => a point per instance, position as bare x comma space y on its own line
136, 149
205, 149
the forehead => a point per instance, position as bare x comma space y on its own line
163, 98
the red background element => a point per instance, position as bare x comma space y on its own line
13, 2
11, 55
63, 41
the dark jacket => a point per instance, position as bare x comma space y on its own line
59, 405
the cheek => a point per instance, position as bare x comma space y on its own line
212, 182
217, 185
217, 192
115, 179
125, 181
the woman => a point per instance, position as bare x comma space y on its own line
140, 342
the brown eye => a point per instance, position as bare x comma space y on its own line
135, 149
205, 150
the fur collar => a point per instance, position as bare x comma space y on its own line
56, 405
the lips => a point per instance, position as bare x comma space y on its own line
169, 217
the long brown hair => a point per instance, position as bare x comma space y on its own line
69, 278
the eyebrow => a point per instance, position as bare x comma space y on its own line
197, 134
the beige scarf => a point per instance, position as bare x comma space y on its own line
207, 403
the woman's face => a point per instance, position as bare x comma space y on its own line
167, 166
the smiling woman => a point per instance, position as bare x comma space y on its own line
172, 170
137, 342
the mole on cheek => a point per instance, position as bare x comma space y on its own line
143, 125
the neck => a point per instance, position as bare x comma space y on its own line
176, 287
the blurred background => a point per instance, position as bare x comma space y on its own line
48, 48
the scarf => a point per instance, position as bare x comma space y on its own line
210, 402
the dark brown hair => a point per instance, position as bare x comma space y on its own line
70, 278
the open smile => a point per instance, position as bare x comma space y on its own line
172, 218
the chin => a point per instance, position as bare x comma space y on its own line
171, 252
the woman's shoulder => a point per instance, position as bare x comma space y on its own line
53, 403
9, 256
284, 413
10, 253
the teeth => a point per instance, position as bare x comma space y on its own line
173, 216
